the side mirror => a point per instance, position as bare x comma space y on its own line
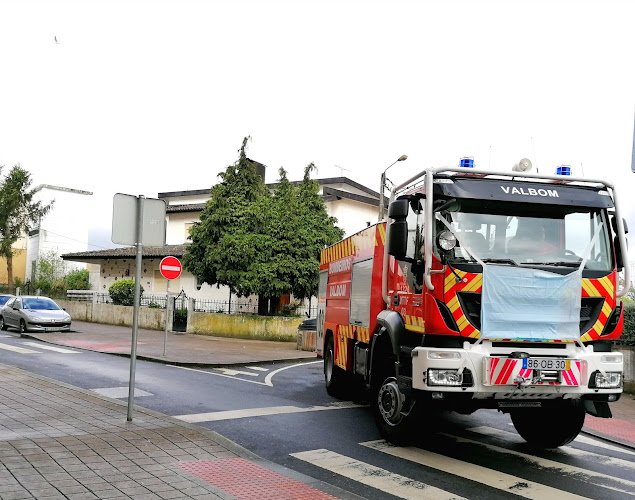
398, 209
397, 243
619, 258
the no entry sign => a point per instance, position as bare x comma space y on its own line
170, 268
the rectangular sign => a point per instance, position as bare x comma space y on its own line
124, 221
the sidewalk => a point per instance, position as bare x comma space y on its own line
62, 442
181, 348
200, 350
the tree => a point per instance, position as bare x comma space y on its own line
261, 243
77, 280
230, 232
49, 270
18, 213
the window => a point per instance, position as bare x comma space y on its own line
361, 283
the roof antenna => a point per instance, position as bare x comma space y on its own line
342, 169
533, 147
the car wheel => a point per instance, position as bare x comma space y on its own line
3, 325
22, 327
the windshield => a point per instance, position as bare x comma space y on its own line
559, 239
40, 304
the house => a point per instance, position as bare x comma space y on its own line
54, 235
354, 205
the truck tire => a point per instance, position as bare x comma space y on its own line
389, 404
550, 426
337, 380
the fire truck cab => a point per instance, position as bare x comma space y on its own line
490, 290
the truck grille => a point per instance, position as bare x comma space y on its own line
589, 312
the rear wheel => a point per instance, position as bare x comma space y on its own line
337, 380
550, 426
3, 325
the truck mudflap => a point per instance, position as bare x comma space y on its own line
540, 371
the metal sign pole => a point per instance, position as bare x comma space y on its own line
167, 310
137, 297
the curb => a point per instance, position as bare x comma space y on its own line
609, 439
166, 361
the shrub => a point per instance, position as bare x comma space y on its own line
628, 335
122, 292
77, 280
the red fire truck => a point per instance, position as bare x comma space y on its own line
494, 290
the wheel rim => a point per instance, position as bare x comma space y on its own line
22, 326
390, 402
328, 366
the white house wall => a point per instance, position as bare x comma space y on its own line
65, 227
176, 233
352, 216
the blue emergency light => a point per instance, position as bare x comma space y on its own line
563, 170
467, 162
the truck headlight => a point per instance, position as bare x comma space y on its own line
610, 380
450, 378
446, 240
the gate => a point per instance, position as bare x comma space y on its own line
179, 319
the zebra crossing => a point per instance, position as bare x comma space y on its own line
588, 468
32, 347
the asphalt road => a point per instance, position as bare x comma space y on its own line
283, 413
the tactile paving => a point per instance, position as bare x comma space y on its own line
246, 480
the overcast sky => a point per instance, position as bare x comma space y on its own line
147, 97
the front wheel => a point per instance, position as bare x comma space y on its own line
550, 426
22, 328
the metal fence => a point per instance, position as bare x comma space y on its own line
236, 306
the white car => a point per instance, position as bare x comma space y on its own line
34, 314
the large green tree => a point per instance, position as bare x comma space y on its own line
258, 242
18, 213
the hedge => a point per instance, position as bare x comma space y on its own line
628, 335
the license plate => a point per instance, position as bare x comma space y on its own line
546, 364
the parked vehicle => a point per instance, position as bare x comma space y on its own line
34, 314
446, 307
4, 298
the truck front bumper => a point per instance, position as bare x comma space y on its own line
524, 372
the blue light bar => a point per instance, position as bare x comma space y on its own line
467, 162
563, 170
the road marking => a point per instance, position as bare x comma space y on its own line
623, 485
376, 477
51, 348
5, 336
21, 350
257, 368
268, 379
233, 373
120, 392
495, 479
259, 412
568, 450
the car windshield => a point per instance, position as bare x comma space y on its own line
560, 237
39, 304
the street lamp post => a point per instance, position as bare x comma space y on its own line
382, 187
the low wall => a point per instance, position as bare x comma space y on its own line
246, 327
149, 318
629, 367
223, 325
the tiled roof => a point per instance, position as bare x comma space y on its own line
126, 253
191, 207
